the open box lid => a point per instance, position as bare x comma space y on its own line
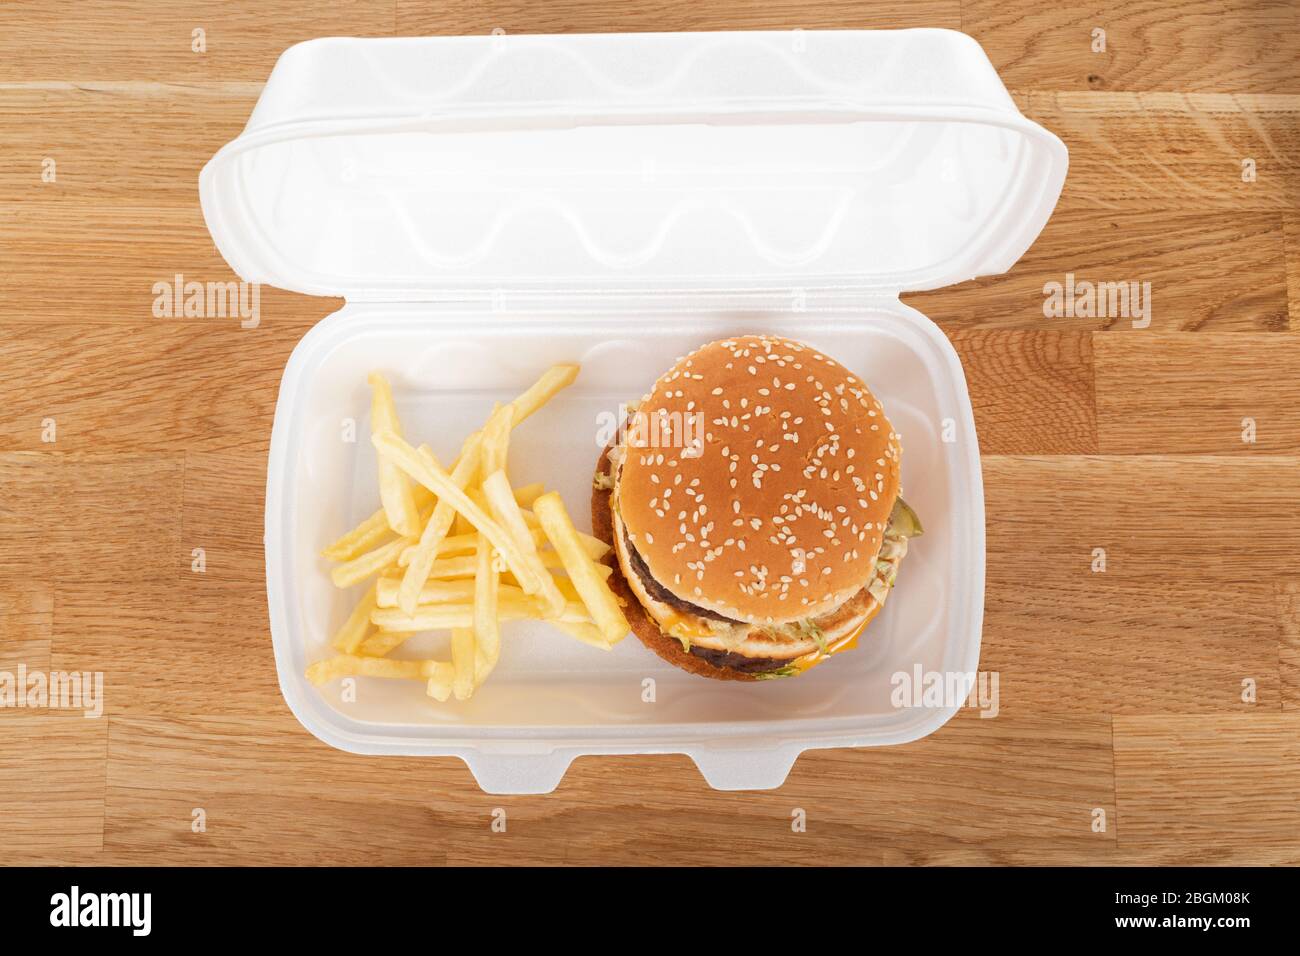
761, 162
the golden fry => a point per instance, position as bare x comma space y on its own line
439, 686
460, 566
395, 490
372, 562
551, 559
512, 605
501, 500
383, 643
440, 483
527, 494
357, 626
349, 665
587, 633
433, 592
595, 548
371, 531
496, 438
463, 651
543, 390
458, 544
590, 584
487, 595
435, 532
360, 539
443, 676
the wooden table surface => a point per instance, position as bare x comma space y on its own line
1120, 691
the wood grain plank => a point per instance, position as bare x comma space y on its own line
416, 18
1221, 274
1174, 150
971, 781
1031, 391
98, 261
1291, 223
161, 388
26, 616
567, 827
1171, 393
1288, 614
171, 647
1071, 641
253, 777
939, 851
1209, 780
222, 514
130, 142
1200, 45
1198, 522
102, 520
143, 40
255, 772
53, 806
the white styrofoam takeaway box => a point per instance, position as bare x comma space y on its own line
491, 205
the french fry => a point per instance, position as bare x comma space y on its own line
543, 390
441, 680
439, 686
372, 530
360, 539
551, 559
456, 545
566, 588
587, 633
527, 494
426, 617
513, 605
451, 545
440, 483
435, 532
372, 562
595, 548
395, 490
463, 652
433, 592
357, 626
501, 501
383, 643
460, 566
496, 438
597, 597
350, 665
455, 591
487, 596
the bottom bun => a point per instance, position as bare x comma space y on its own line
644, 626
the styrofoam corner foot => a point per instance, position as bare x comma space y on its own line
519, 774
746, 769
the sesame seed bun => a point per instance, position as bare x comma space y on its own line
758, 479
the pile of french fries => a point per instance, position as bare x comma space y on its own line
461, 549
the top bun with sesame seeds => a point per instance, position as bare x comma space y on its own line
757, 480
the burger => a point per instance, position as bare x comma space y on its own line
752, 503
